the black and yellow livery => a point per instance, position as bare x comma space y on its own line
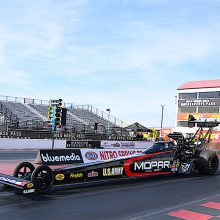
162, 158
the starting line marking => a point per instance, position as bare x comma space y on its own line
212, 205
189, 215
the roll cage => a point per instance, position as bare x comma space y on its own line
189, 148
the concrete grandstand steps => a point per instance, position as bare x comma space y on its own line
33, 114
77, 118
25, 116
87, 115
41, 109
44, 118
93, 118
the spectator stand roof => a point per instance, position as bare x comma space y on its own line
200, 84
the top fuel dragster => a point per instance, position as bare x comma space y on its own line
187, 156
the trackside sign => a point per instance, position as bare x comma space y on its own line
56, 157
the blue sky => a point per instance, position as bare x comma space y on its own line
126, 55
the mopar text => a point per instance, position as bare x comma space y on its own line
151, 165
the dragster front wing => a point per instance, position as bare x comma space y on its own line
25, 185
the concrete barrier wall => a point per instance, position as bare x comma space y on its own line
28, 144
35, 144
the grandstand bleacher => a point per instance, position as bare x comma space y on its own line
22, 113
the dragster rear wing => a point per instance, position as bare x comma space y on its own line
203, 122
25, 185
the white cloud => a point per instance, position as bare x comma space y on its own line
11, 77
15, 78
131, 63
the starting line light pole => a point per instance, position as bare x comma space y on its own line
56, 116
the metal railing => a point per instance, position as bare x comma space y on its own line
108, 117
7, 119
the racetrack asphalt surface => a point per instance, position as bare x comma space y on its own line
20, 155
135, 199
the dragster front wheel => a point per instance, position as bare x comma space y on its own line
42, 178
24, 170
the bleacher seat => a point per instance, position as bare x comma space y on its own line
78, 119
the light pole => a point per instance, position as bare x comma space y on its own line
109, 111
161, 123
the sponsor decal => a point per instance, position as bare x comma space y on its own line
56, 157
106, 144
91, 155
8, 180
112, 144
199, 102
83, 144
185, 116
7, 134
62, 158
165, 132
30, 185
113, 171
108, 154
175, 166
151, 165
20, 183
59, 177
116, 145
93, 174
185, 167
128, 144
26, 191
76, 175
142, 166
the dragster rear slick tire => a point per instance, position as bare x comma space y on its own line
24, 170
42, 178
207, 163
